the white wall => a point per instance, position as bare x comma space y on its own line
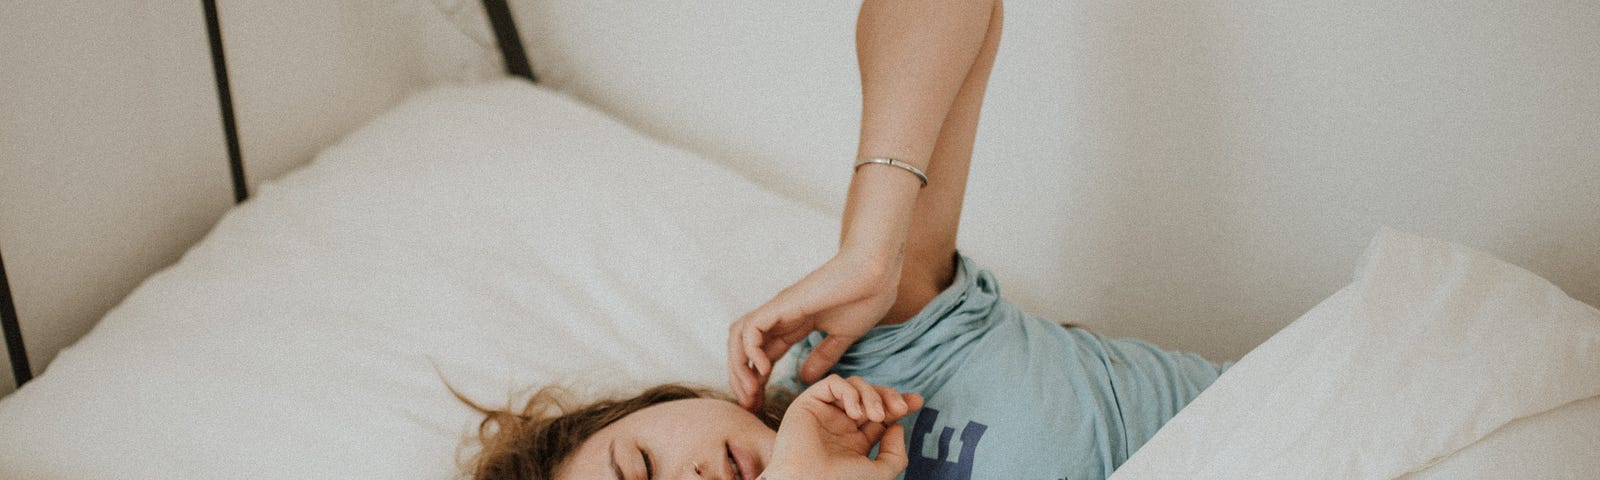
111, 156
306, 72
1228, 161
112, 159
1194, 173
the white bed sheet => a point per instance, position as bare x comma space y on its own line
506, 233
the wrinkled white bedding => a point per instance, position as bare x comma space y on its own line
507, 233
1431, 348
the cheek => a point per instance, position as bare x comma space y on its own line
751, 428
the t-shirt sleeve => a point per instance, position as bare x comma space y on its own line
897, 355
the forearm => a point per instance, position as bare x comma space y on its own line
924, 68
914, 56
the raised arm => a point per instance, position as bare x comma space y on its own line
924, 67
922, 90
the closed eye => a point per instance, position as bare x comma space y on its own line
649, 470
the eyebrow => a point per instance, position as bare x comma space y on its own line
611, 453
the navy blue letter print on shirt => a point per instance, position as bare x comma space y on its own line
924, 468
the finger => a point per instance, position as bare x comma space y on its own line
913, 401
747, 384
737, 387
892, 451
737, 371
754, 336
751, 395
845, 397
770, 333
894, 405
775, 350
871, 402
824, 356
873, 431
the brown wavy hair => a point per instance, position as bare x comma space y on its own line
531, 444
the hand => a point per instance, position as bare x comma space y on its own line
828, 431
845, 298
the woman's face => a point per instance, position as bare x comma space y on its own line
692, 438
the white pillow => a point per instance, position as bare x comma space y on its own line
1432, 347
1560, 443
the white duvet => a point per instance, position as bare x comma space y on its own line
505, 233
511, 237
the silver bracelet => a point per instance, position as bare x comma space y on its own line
895, 163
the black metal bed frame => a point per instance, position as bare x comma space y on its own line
506, 37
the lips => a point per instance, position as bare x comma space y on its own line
744, 467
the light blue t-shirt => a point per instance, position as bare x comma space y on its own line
1013, 396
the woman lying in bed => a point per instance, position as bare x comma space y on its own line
922, 356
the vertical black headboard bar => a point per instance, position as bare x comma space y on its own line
219, 70
13, 331
505, 34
